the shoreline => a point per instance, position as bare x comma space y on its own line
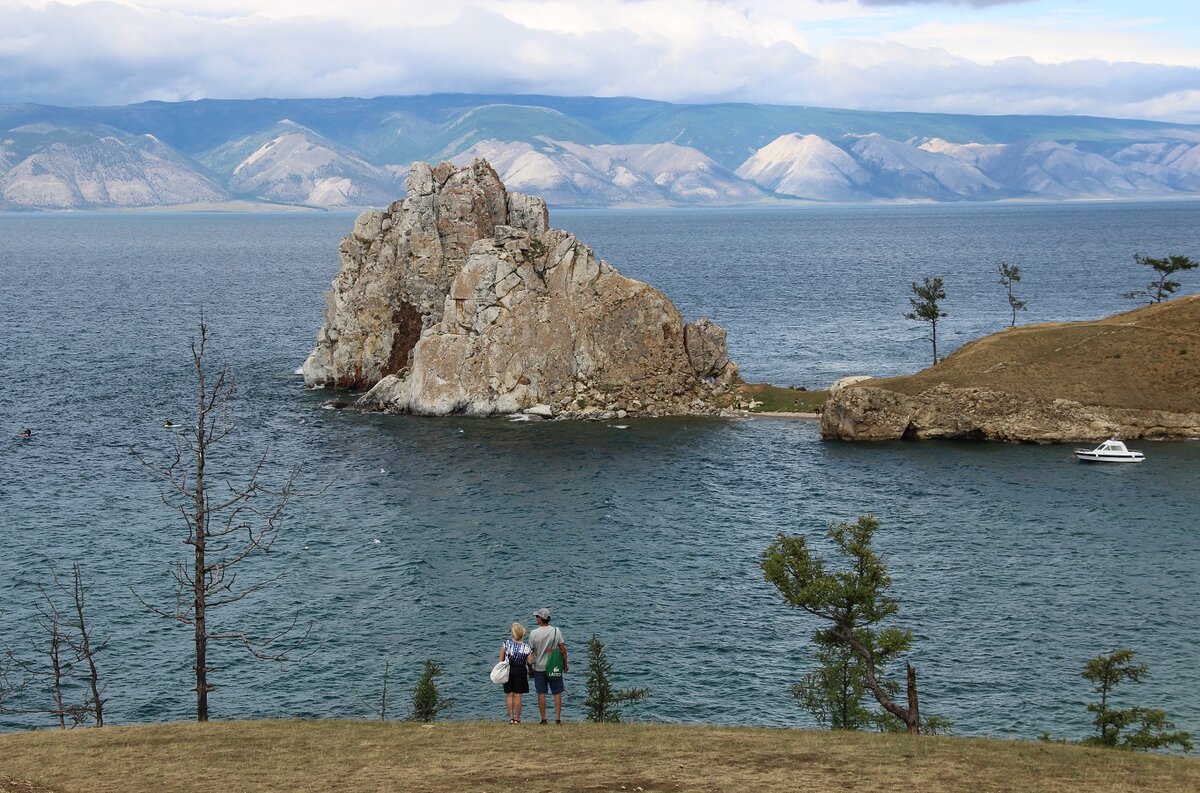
785, 414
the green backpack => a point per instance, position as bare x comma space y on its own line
554, 663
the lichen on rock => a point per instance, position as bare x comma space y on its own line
511, 314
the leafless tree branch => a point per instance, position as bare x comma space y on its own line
223, 531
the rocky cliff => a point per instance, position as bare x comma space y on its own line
1132, 375
461, 299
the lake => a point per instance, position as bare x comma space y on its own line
426, 537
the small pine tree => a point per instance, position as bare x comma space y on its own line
1152, 729
834, 693
854, 599
427, 703
926, 308
602, 700
1161, 288
1009, 275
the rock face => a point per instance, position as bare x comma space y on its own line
1133, 375
460, 299
396, 269
865, 413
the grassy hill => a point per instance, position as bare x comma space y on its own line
456, 756
1145, 359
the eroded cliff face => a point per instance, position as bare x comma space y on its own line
864, 413
459, 299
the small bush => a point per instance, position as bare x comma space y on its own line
602, 700
427, 703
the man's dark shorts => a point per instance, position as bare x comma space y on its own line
541, 682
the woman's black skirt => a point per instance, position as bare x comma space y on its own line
518, 679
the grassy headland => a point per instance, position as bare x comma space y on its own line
252, 756
1145, 359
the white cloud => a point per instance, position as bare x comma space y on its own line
803, 52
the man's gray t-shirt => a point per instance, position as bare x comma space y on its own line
543, 639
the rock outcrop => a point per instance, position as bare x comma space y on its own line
460, 299
866, 413
1133, 375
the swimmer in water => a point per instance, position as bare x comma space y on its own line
25, 433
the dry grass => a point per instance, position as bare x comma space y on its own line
1146, 359
374, 756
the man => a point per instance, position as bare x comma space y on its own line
543, 639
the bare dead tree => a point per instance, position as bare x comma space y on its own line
12, 685
226, 524
380, 708
387, 667
85, 648
70, 646
50, 621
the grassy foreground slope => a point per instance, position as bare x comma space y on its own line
1145, 359
374, 756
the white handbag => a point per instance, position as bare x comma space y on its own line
500, 673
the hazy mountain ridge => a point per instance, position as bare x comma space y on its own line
575, 151
648, 174
54, 168
292, 164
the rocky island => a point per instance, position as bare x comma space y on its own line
1131, 375
460, 298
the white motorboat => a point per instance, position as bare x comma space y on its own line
1111, 451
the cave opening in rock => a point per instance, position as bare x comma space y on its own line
407, 323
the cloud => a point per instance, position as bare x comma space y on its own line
972, 3
677, 50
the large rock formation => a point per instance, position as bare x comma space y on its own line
460, 299
1133, 375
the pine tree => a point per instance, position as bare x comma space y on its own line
1153, 730
602, 700
855, 600
1161, 288
926, 308
427, 702
1009, 275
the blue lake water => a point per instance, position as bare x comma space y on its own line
1013, 565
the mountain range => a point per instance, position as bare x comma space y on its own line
574, 151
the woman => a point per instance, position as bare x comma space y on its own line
517, 651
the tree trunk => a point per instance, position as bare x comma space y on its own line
56, 666
200, 525
933, 337
85, 644
881, 696
201, 641
914, 714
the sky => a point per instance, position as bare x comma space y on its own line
1093, 57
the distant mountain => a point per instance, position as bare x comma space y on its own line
575, 150
606, 174
291, 164
48, 167
901, 170
807, 166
